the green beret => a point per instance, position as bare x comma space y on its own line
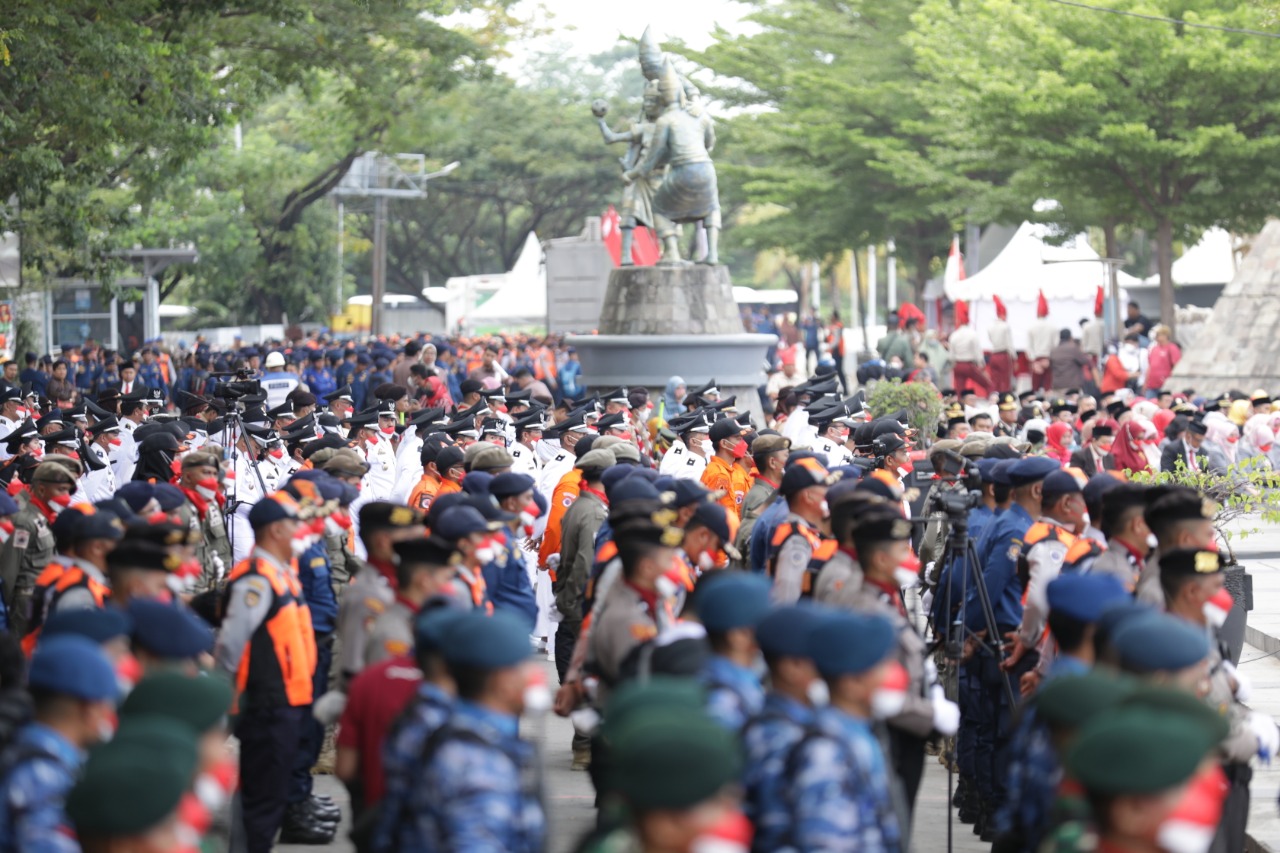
1157, 698
126, 789
201, 702
486, 643
1070, 701
160, 736
1138, 751
634, 700
672, 759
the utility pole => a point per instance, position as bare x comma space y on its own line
379, 264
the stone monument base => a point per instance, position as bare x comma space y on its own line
662, 321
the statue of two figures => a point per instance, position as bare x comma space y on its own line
667, 172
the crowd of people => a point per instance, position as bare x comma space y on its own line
759, 630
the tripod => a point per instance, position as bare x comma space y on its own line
960, 554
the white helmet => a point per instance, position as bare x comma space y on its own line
275, 359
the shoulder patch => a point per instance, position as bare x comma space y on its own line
692, 461
21, 539
568, 500
374, 605
642, 631
317, 562
252, 597
396, 648
1014, 550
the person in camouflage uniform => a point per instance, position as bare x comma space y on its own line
31, 546
200, 482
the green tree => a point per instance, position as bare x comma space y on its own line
1123, 121
827, 94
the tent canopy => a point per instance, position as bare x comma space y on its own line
519, 296
1210, 261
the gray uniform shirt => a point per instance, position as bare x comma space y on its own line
368, 596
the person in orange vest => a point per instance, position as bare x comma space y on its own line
267, 645
723, 473
463, 527
799, 537
429, 486
77, 576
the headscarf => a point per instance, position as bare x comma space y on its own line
1056, 437
1238, 414
1129, 449
673, 406
1224, 435
1258, 439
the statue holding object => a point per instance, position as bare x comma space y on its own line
637, 195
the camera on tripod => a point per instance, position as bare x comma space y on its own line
961, 485
244, 384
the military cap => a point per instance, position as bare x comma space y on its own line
345, 462
81, 522
850, 643
769, 443
461, 426
425, 550
1157, 642
364, 419
449, 457
627, 488
716, 519
670, 759
8, 506
489, 508
490, 458
1100, 485
168, 496
739, 600
343, 393
470, 386
10, 392
1159, 697
128, 788
802, 473
1138, 751
385, 515
1190, 563
69, 437
269, 510
883, 523
1083, 597
459, 521
53, 472
169, 630
596, 460
1070, 701
485, 642
201, 459
1177, 503
1033, 469
787, 630
573, 423
509, 484
617, 395
1197, 426
432, 625
200, 702
493, 426
1057, 484
98, 624
53, 416
618, 420
688, 492
73, 665
21, 434
497, 393
987, 470
531, 422
137, 494
426, 416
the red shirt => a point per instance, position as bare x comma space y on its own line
374, 699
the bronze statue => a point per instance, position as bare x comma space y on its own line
637, 195
682, 142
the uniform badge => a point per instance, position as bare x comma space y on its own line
374, 605
568, 500
252, 597
1014, 550
691, 461
21, 538
643, 632
317, 562
396, 648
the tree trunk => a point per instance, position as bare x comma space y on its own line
1164, 263
862, 302
802, 303
1112, 248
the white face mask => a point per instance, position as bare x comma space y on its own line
1086, 520
1152, 541
706, 562
887, 703
818, 692
1214, 615
826, 510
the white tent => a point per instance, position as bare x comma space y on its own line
1069, 276
1210, 261
519, 297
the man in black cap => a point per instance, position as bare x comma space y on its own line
267, 645
1122, 520
1187, 452
798, 540
425, 570
1179, 517
100, 482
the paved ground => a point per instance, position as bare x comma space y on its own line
571, 799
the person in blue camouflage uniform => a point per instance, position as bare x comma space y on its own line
730, 605
150, 373
319, 378
425, 714
473, 789
998, 555
768, 737
75, 692
839, 788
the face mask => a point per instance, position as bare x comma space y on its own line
1217, 608
730, 834
372, 439
58, 503
826, 510
128, 673
706, 562
537, 696
37, 451
740, 449
528, 516
214, 788
890, 697
115, 442
486, 552
1152, 541
207, 488
388, 431
1086, 520
1191, 826
22, 414
1105, 444
818, 693
107, 727
906, 468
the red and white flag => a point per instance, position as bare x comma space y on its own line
954, 272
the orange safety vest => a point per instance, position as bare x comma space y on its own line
474, 579
54, 582
447, 487
280, 658
823, 550
1039, 532
424, 493
719, 477
566, 492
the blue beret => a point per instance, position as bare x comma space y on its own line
136, 493
97, 624
1098, 485
432, 625
1060, 483
74, 666
380, 362
268, 511
631, 489
539, 499
363, 359
850, 643
510, 484
459, 521
689, 492
739, 600
787, 630
169, 496
8, 506
477, 483
986, 468
489, 508
1116, 614
614, 475
1033, 469
249, 352
1155, 642
169, 630
77, 525
487, 642
1084, 597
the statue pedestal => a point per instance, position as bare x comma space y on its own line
665, 321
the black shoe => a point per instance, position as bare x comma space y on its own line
980, 822
961, 795
325, 812
302, 831
325, 801
968, 815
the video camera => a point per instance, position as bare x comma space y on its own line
244, 384
962, 485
